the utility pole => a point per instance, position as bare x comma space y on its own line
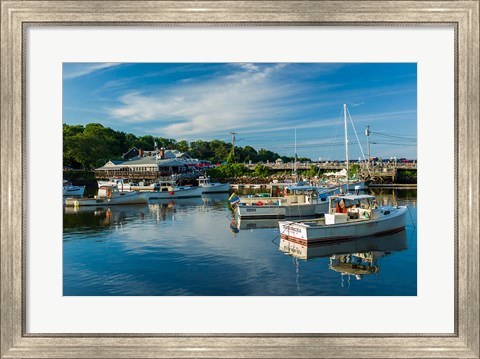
367, 133
233, 145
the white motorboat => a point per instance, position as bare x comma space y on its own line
124, 185
349, 216
106, 196
212, 187
299, 201
168, 189
69, 190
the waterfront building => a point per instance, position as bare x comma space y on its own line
141, 164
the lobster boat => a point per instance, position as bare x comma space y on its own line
106, 196
349, 216
299, 201
212, 187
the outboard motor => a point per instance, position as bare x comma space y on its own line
357, 189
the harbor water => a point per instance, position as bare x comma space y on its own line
196, 247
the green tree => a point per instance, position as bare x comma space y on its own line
220, 150
353, 170
260, 170
250, 154
267, 155
183, 146
230, 159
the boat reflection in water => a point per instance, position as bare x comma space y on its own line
94, 217
355, 256
245, 224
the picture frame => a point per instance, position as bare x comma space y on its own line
17, 15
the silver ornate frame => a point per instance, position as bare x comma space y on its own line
16, 15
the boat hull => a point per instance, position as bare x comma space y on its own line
177, 193
73, 190
216, 188
134, 198
279, 211
260, 212
314, 232
352, 186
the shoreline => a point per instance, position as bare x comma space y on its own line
393, 185
373, 185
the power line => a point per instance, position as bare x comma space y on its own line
394, 136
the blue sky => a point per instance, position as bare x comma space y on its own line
262, 102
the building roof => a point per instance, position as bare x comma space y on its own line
143, 161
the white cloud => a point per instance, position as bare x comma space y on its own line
242, 99
72, 71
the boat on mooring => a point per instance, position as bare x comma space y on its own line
298, 201
168, 189
349, 216
212, 187
124, 185
69, 190
106, 196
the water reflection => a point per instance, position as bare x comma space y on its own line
196, 247
92, 218
245, 224
355, 247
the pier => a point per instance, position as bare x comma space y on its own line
380, 172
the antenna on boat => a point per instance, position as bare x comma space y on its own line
346, 134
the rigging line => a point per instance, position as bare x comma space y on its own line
411, 218
394, 136
389, 134
334, 138
359, 145
393, 143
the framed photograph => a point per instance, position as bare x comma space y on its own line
143, 109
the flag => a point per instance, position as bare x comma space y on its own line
234, 199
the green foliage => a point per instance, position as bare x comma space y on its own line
230, 159
353, 170
93, 145
267, 155
406, 176
260, 170
228, 171
250, 154
312, 171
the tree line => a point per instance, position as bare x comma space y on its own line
92, 145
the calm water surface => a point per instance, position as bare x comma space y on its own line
196, 247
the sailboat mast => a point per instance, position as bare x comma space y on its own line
346, 135
295, 160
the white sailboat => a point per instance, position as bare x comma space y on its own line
348, 184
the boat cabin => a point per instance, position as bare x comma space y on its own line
203, 181
107, 191
343, 208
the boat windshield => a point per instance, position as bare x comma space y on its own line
352, 202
